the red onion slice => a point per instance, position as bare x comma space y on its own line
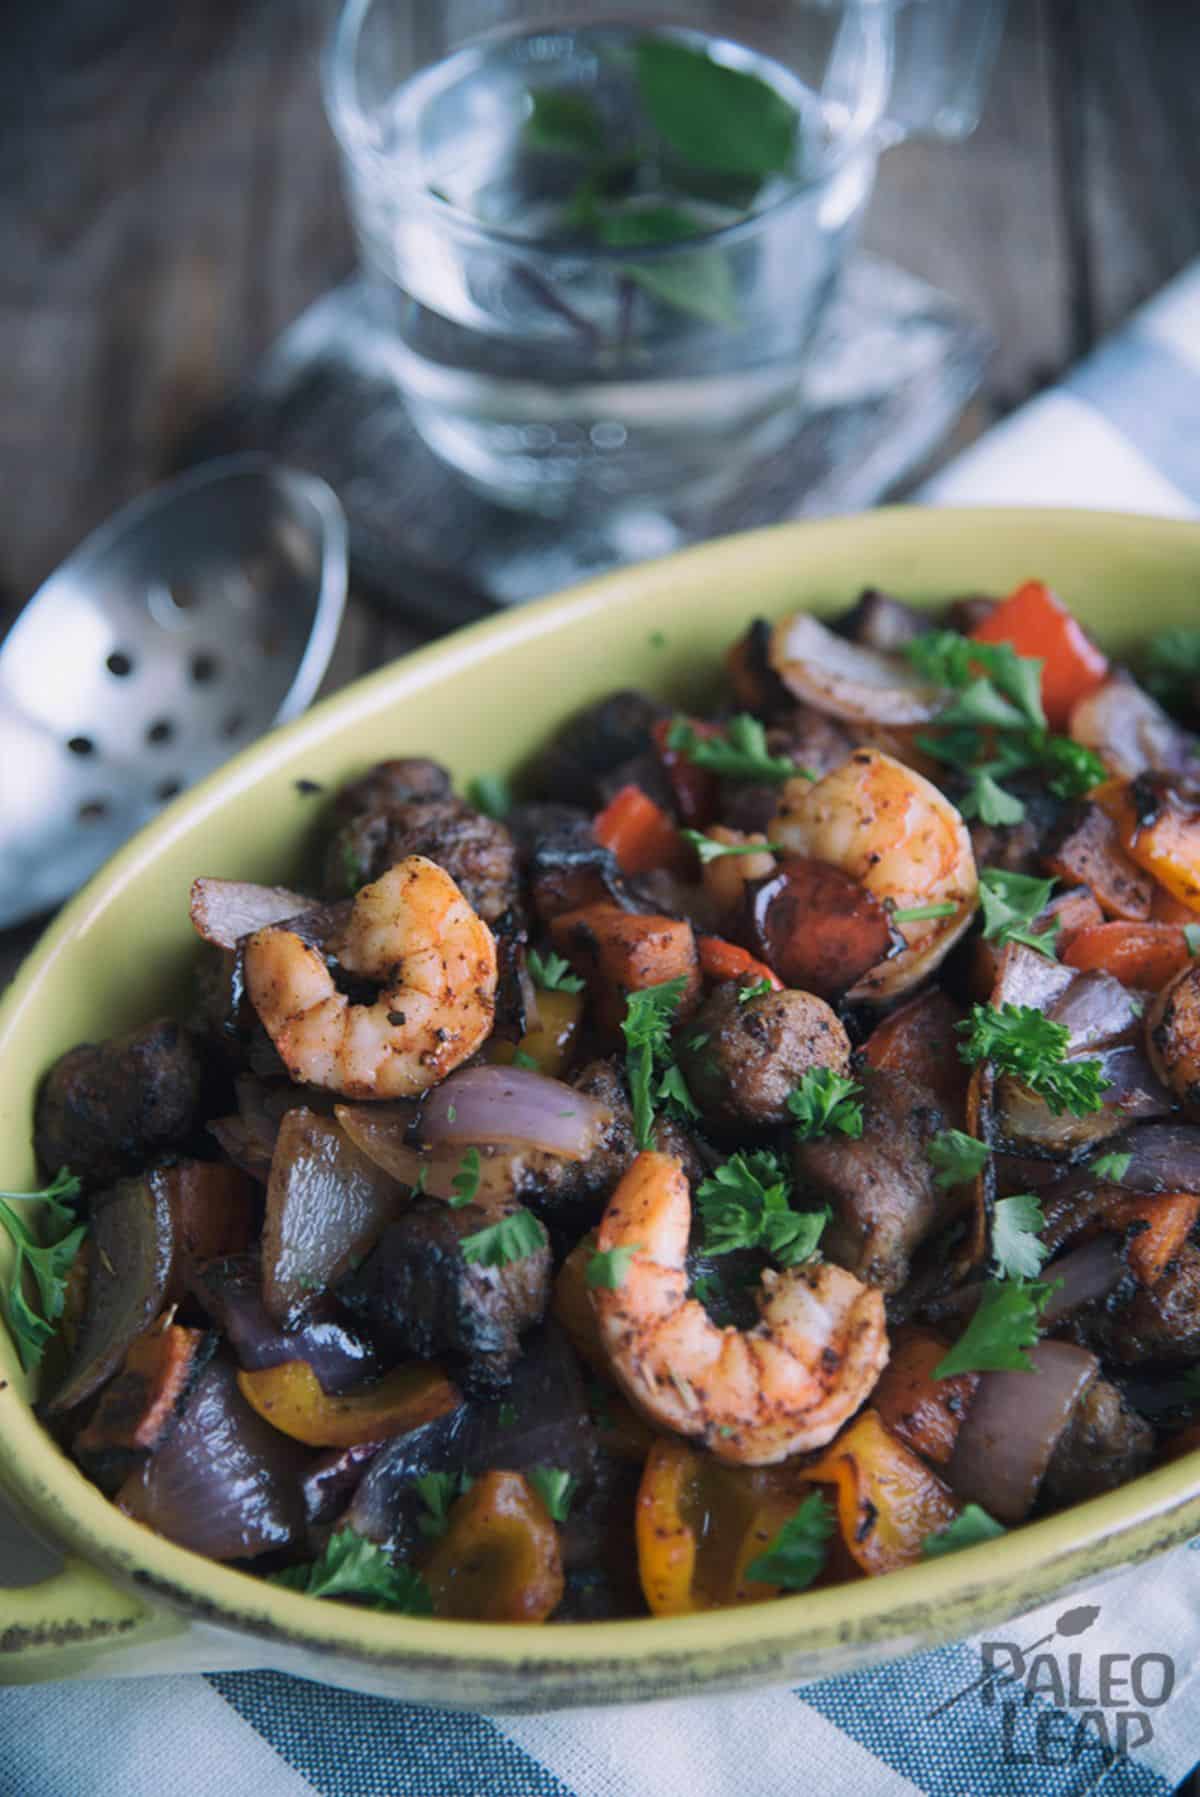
1088, 1273
1012, 1428
1099, 1011
223, 911
845, 680
503, 1174
513, 1105
1133, 1093
1130, 731
224, 1483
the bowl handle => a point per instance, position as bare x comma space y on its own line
76, 1620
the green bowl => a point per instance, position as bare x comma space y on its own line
484, 700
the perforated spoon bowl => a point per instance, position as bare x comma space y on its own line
179, 631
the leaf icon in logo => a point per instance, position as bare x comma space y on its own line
1073, 1622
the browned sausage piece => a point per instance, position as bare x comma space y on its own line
1173, 1038
748, 1057
107, 1108
476, 851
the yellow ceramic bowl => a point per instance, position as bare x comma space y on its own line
485, 700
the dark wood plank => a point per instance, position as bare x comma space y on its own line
981, 219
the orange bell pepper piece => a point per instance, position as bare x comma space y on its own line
290, 1398
500, 1558
1145, 955
888, 1501
1163, 837
721, 960
1038, 624
1165, 1221
639, 833
571, 1304
550, 1044
700, 1524
922, 1411
137, 1406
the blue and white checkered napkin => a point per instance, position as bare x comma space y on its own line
1108, 1671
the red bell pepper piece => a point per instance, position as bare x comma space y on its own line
1036, 623
721, 960
639, 833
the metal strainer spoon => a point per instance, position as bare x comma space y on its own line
180, 630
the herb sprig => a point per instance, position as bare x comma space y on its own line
1023, 1041
994, 726
551, 972
709, 849
514, 1237
797, 1554
352, 1566
48, 1263
650, 1064
968, 1529
746, 1203
741, 754
825, 1103
1002, 1328
1011, 903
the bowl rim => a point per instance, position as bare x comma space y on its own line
638, 1657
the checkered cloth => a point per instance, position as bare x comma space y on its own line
1095, 1694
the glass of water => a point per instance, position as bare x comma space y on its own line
600, 238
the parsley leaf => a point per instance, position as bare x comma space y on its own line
746, 1203
1172, 665
1072, 768
647, 1032
352, 1566
968, 1529
555, 1487
49, 1264
551, 972
1023, 1041
437, 1492
825, 1101
709, 849
797, 1554
989, 802
956, 1158
513, 1238
1004, 1325
919, 913
1011, 902
1015, 1242
490, 794
521, 1059
1114, 1166
608, 1266
760, 989
741, 754
466, 1180
1191, 935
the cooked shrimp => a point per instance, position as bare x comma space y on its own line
754, 1396
411, 933
893, 831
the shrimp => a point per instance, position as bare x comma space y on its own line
754, 1396
894, 832
413, 934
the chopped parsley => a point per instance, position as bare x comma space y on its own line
438, 1491
1114, 1165
352, 1566
555, 1487
746, 1203
1002, 1328
521, 1059
466, 1180
1023, 1041
513, 1238
49, 1263
1011, 903
823, 1102
968, 1529
551, 972
956, 1158
797, 1554
490, 794
747, 994
741, 754
920, 913
506, 1416
1172, 666
709, 849
994, 725
607, 1267
649, 1063
1018, 1249
1191, 935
